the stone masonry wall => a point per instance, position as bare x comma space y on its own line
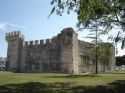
51, 55
62, 54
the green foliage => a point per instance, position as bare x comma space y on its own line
120, 60
106, 13
103, 52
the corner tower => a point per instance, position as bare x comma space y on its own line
14, 52
69, 50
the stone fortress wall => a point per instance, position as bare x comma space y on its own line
59, 54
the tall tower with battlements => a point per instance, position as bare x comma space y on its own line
15, 44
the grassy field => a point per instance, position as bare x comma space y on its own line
61, 83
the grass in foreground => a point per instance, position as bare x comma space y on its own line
61, 83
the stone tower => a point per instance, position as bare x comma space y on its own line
69, 50
15, 43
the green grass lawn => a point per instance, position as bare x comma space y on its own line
61, 83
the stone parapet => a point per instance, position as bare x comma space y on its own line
14, 35
38, 42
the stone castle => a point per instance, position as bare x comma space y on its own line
63, 53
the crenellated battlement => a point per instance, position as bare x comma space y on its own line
62, 53
14, 35
38, 42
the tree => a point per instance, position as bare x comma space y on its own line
98, 50
95, 40
108, 13
120, 60
103, 52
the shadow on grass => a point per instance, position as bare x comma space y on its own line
73, 76
114, 73
114, 87
62, 87
35, 87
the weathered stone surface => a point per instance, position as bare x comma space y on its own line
62, 53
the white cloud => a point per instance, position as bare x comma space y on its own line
9, 26
3, 26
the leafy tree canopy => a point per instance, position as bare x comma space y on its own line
106, 14
103, 51
120, 60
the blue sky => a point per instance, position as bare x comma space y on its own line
30, 17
